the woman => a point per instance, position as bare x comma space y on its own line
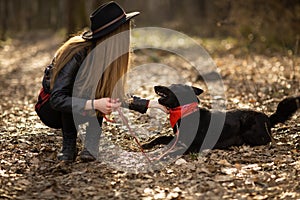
87, 75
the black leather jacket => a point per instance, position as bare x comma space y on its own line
61, 95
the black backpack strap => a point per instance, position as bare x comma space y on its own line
47, 76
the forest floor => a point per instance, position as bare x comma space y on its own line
29, 168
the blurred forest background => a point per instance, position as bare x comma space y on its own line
267, 24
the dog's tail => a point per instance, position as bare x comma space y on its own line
285, 109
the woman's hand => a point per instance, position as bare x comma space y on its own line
106, 105
155, 104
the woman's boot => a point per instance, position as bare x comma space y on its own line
92, 139
86, 156
69, 150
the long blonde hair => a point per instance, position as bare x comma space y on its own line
66, 52
102, 74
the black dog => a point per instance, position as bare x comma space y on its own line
193, 123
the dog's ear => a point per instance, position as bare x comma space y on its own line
197, 91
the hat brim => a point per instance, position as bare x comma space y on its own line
88, 35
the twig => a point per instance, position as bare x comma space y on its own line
293, 58
270, 135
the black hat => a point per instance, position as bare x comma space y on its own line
105, 19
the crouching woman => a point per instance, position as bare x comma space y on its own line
86, 81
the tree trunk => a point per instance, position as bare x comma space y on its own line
4, 13
76, 16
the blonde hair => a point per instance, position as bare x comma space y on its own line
66, 52
109, 59
115, 62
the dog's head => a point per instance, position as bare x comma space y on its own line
177, 95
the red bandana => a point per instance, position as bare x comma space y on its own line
182, 111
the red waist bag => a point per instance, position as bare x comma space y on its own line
42, 99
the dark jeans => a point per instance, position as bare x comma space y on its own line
68, 123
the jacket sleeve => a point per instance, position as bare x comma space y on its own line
137, 104
61, 96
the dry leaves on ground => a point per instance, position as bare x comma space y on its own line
29, 168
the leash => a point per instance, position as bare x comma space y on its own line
125, 121
175, 114
179, 112
172, 147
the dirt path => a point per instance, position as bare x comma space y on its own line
29, 169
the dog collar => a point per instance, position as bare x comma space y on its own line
181, 112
